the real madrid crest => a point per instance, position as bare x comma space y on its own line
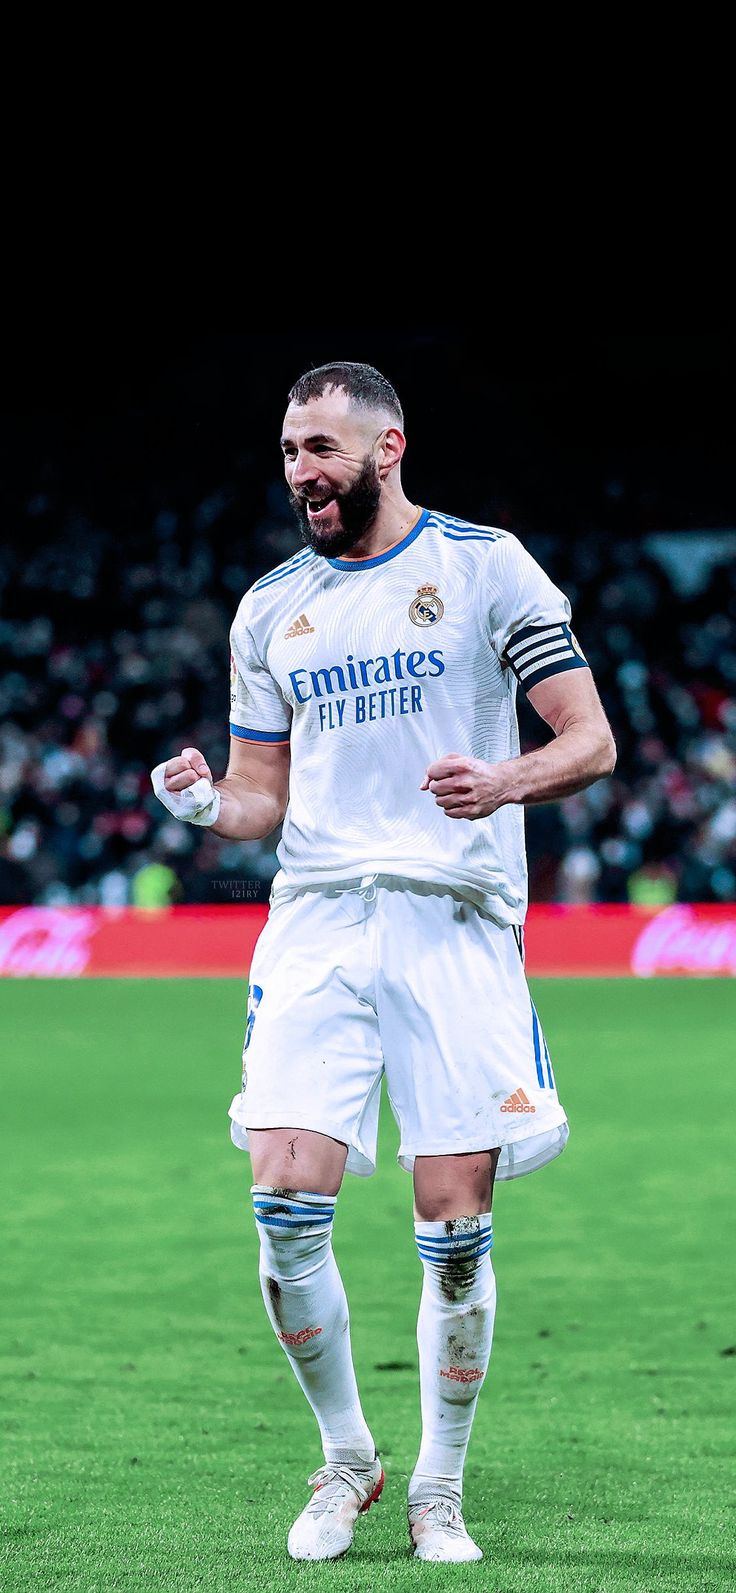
427, 607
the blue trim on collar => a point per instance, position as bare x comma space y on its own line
382, 558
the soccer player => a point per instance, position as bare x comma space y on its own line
373, 686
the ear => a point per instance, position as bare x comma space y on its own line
390, 449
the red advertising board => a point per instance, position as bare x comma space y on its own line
67, 942
154, 943
681, 939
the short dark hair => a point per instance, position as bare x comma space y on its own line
363, 384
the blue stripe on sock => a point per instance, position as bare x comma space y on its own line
455, 1239
440, 1252
465, 1255
299, 1216
262, 1203
447, 1255
454, 1255
285, 1222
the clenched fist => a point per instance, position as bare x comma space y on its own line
185, 787
467, 788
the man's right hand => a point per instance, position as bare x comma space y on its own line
185, 787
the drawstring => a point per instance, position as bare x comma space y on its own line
366, 889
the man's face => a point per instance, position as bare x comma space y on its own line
330, 463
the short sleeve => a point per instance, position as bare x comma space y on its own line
258, 711
529, 617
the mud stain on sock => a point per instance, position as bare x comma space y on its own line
274, 1295
458, 1271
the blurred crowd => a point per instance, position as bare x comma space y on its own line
113, 655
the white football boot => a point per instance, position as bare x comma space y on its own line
438, 1532
324, 1530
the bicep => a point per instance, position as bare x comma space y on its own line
568, 697
265, 766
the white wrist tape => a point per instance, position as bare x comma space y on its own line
199, 804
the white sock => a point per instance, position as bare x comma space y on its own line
305, 1300
454, 1334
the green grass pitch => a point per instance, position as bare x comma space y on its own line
153, 1438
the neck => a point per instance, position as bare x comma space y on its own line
394, 519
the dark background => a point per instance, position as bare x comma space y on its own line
142, 493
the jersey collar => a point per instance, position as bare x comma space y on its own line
388, 553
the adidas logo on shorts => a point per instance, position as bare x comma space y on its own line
518, 1102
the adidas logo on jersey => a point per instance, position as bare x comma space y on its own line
301, 627
518, 1102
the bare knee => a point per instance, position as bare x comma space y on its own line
454, 1186
297, 1158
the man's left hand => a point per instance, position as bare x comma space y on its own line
467, 788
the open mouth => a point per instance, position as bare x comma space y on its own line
317, 507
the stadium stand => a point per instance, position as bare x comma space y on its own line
114, 654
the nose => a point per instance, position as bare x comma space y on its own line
303, 469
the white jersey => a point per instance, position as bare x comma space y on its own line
374, 668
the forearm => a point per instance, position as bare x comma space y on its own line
468, 788
246, 813
579, 755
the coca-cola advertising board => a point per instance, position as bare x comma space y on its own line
66, 942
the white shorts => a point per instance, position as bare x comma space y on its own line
408, 979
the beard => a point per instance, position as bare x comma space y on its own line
358, 507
